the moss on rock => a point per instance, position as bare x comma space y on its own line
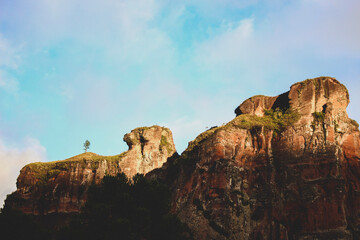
44, 171
164, 144
275, 120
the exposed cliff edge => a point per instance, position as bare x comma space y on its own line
286, 167
60, 187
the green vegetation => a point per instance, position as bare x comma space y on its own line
201, 138
276, 120
138, 132
319, 118
86, 145
164, 144
44, 171
355, 123
44, 178
336, 125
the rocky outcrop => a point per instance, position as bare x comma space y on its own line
286, 167
60, 187
256, 105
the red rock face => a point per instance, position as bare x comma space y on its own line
60, 187
256, 105
292, 173
254, 181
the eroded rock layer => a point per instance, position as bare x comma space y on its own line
286, 167
60, 187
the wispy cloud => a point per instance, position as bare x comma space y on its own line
12, 159
134, 62
299, 40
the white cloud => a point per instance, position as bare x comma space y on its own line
12, 159
110, 20
290, 44
228, 47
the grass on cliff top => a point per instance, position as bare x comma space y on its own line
47, 170
275, 120
201, 137
141, 129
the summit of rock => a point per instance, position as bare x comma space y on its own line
306, 97
60, 186
287, 167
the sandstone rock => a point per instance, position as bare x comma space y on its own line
256, 105
287, 167
60, 187
288, 174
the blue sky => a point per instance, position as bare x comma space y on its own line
71, 71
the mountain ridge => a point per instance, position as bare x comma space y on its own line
286, 167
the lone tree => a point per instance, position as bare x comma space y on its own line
86, 145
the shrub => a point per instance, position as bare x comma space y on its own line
164, 144
319, 116
355, 123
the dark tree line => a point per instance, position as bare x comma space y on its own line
116, 209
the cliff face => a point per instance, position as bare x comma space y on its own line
61, 186
286, 167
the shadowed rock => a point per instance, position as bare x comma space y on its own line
60, 187
286, 174
286, 167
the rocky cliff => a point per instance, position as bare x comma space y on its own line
286, 167
60, 187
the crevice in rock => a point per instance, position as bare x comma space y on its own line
142, 143
282, 102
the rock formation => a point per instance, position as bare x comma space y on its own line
60, 186
286, 167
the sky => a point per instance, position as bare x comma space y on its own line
72, 70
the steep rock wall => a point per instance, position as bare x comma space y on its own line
290, 173
60, 187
